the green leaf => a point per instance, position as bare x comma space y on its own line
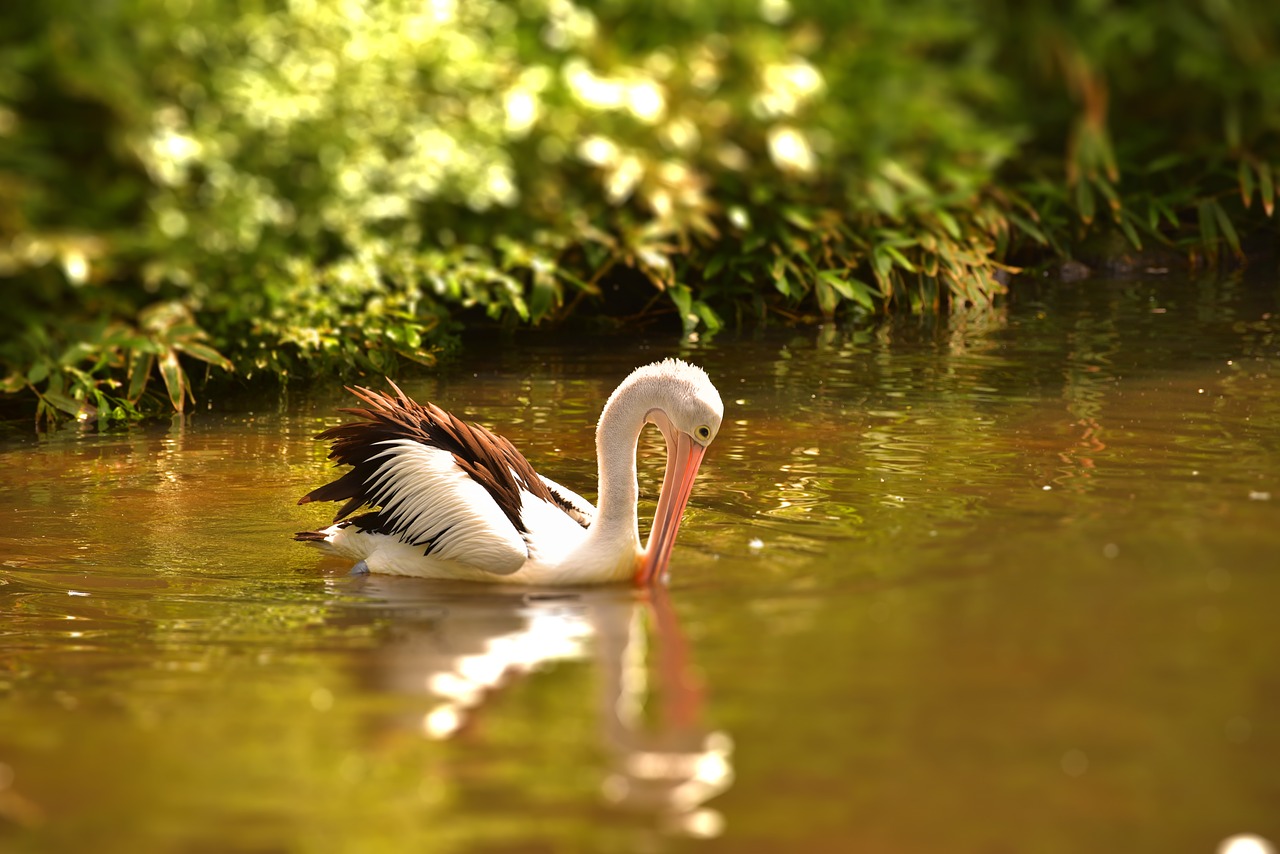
1153, 216
1231, 125
1084, 201
715, 265
140, 366
1208, 227
828, 299
1127, 227
1228, 230
65, 402
880, 262
77, 352
1245, 175
900, 259
1166, 212
683, 298
1167, 161
948, 223
905, 178
13, 383
780, 281
709, 318
861, 293
542, 298
1108, 192
840, 284
175, 379
797, 218
1266, 188
205, 353
1028, 227
38, 373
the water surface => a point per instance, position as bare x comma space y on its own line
997, 581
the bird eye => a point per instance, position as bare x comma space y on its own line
703, 433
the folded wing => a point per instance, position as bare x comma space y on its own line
453, 488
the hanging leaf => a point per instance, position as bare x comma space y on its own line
1028, 227
1266, 188
1108, 192
63, 401
1208, 227
715, 265
174, 379
1228, 230
205, 353
707, 315
828, 299
1084, 202
1245, 175
13, 383
683, 298
861, 293
949, 224
1129, 231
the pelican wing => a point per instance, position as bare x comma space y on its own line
456, 489
579, 509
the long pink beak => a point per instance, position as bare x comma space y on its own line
682, 467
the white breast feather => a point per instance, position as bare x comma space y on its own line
553, 533
422, 488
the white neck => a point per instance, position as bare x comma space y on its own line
617, 435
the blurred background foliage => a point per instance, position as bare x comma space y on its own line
282, 188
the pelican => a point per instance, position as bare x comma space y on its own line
453, 500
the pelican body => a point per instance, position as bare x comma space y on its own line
454, 500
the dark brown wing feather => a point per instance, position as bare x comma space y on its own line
489, 459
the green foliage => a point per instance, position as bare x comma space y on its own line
315, 188
100, 369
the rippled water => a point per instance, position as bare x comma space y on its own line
997, 581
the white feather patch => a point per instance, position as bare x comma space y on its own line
553, 533
584, 508
423, 491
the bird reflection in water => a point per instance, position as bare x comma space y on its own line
460, 645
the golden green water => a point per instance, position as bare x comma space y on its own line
991, 582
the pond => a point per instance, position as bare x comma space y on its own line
990, 581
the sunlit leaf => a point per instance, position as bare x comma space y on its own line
798, 218
205, 353
861, 293
828, 299
948, 223
709, 318
174, 379
683, 299
900, 259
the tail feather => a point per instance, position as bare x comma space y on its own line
311, 536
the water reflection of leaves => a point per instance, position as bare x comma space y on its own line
463, 647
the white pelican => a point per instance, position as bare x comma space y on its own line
457, 501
